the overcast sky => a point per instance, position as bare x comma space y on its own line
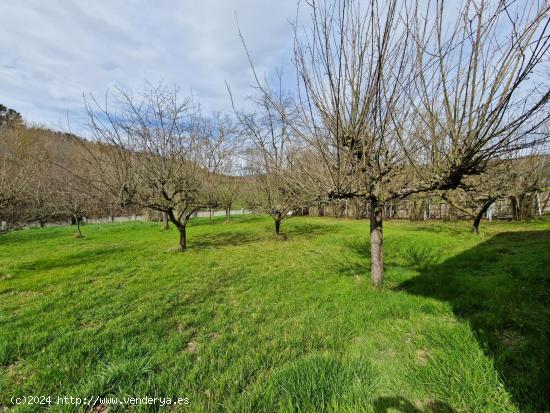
54, 51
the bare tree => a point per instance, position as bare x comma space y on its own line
48, 176
396, 99
479, 192
220, 190
529, 181
18, 159
270, 148
227, 183
473, 96
229, 191
354, 66
74, 192
514, 179
156, 152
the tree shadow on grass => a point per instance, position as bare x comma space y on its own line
224, 239
459, 228
221, 220
233, 238
308, 230
415, 256
502, 288
20, 236
70, 260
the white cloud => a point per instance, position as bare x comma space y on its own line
52, 52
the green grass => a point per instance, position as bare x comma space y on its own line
245, 322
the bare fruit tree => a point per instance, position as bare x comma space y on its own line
499, 181
477, 93
74, 193
18, 160
268, 138
156, 152
354, 66
396, 98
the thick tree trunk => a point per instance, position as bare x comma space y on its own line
181, 225
477, 219
376, 243
166, 226
277, 227
183, 237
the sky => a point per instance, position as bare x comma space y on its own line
52, 52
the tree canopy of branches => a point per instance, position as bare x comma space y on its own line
270, 147
44, 176
17, 165
512, 178
156, 152
397, 98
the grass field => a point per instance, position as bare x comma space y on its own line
245, 322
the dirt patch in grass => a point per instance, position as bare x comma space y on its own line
91, 325
191, 347
13, 372
421, 357
4, 277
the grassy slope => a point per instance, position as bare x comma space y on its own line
243, 322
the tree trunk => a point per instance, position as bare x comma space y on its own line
477, 219
210, 213
227, 212
428, 208
183, 237
376, 243
277, 227
515, 208
166, 226
79, 235
181, 226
